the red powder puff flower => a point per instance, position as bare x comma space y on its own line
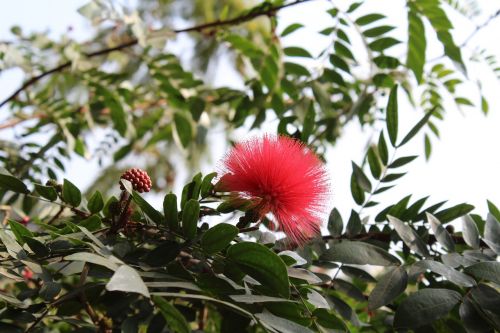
284, 177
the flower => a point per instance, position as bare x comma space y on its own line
283, 177
139, 178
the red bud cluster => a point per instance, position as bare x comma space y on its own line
139, 179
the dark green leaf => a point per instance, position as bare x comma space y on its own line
449, 273
174, 318
470, 232
392, 115
48, 192
342, 50
486, 270
359, 253
357, 273
335, 223
170, 211
357, 192
183, 128
190, 216
492, 233
150, 211
206, 185
328, 320
449, 214
390, 286
392, 177
71, 194
424, 307
374, 163
471, 319
262, 264
442, 235
417, 127
296, 69
361, 178
409, 236
49, 290
493, 210
163, 254
36, 246
13, 184
401, 161
382, 149
218, 237
354, 226
96, 203
19, 231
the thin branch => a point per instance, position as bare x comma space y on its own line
270, 11
39, 319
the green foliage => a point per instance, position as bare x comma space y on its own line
208, 261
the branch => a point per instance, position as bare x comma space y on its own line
271, 11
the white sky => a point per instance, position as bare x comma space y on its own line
465, 161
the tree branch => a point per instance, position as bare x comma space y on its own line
270, 11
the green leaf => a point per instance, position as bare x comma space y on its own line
327, 319
354, 226
343, 51
359, 253
470, 317
374, 162
486, 270
170, 211
48, 192
183, 128
262, 264
274, 323
357, 192
206, 185
36, 246
449, 214
409, 236
190, 216
492, 233
389, 286
382, 149
19, 231
174, 318
392, 115
71, 194
149, 210
417, 127
11, 183
383, 43
291, 28
470, 232
415, 58
218, 237
128, 280
296, 69
449, 273
308, 127
93, 259
378, 31
294, 51
163, 254
428, 146
335, 223
361, 178
401, 161
442, 235
370, 18
493, 210
424, 307
49, 290
96, 203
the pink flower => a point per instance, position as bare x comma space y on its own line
284, 177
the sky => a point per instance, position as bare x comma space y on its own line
465, 161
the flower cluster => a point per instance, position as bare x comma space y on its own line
284, 178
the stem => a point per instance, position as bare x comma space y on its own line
39, 319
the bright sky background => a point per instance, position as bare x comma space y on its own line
465, 163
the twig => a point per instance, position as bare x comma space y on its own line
39, 319
59, 212
197, 28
